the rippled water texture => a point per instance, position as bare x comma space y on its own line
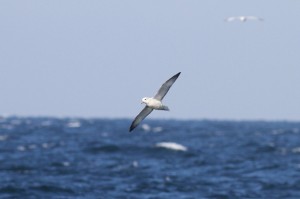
99, 158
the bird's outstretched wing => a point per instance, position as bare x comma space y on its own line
144, 113
229, 19
255, 18
165, 87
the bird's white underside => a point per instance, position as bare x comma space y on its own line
152, 103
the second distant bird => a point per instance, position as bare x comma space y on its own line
243, 18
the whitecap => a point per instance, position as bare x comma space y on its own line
7, 126
74, 124
296, 150
277, 131
135, 164
3, 137
46, 123
168, 179
172, 146
66, 164
21, 148
45, 145
104, 134
157, 129
146, 127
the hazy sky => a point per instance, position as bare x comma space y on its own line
99, 58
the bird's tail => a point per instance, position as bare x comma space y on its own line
165, 108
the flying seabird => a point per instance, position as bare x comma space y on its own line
154, 102
243, 18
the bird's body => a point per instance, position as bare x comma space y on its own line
154, 103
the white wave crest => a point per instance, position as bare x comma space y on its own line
172, 146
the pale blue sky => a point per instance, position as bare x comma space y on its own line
99, 58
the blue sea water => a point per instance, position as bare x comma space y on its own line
99, 158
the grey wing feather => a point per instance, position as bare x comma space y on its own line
165, 87
230, 19
144, 113
254, 17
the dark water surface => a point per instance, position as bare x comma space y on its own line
99, 158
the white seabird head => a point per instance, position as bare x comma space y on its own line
145, 100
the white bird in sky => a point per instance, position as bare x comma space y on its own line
154, 102
243, 18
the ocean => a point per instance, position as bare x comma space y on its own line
73, 158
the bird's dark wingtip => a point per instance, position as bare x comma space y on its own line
131, 128
176, 75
